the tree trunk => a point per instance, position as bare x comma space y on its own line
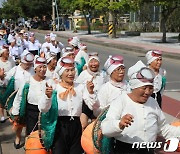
88, 23
163, 28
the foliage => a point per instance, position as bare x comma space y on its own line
12, 9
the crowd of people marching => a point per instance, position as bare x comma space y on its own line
65, 85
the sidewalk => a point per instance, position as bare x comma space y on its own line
146, 41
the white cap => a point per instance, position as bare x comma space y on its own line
27, 57
139, 75
47, 36
3, 48
82, 46
74, 41
12, 40
112, 63
49, 56
39, 61
66, 51
153, 55
93, 55
63, 64
52, 37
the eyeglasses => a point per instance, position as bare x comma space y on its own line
145, 75
156, 53
120, 69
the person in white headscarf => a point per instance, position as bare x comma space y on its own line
82, 54
32, 89
154, 61
92, 73
55, 45
21, 75
74, 43
45, 48
33, 45
136, 116
69, 97
51, 58
6, 63
116, 85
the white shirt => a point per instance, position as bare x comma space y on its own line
98, 80
109, 92
149, 120
7, 65
44, 47
79, 55
71, 106
15, 51
21, 76
51, 74
33, 46
54, 48
36, 90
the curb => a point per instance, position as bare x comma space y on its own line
117, 46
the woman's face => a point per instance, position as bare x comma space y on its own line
93, 65
156, 64
5, 54
41, 70
26, 66
142, 94
118, 74
53, 62
71, 55
68, 75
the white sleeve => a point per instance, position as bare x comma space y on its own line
90, 99
110, 125
167, 130
44, 103
102, 97
17, 101
8, 76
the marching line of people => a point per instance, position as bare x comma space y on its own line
65, 85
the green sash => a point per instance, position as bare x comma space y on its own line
48, 122
5, 92
80, 66
102, 143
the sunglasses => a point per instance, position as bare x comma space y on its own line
145, 75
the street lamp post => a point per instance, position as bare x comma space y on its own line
111, 23
53, 16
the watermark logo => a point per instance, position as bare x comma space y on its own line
171, 145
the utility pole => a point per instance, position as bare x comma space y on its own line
53, 16
111, 23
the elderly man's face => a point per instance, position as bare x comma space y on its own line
141, 94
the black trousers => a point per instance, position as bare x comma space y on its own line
126, 148
158, 97
67, 138
32, 113
87, 111
34, 52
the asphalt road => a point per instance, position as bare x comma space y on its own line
172, 66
